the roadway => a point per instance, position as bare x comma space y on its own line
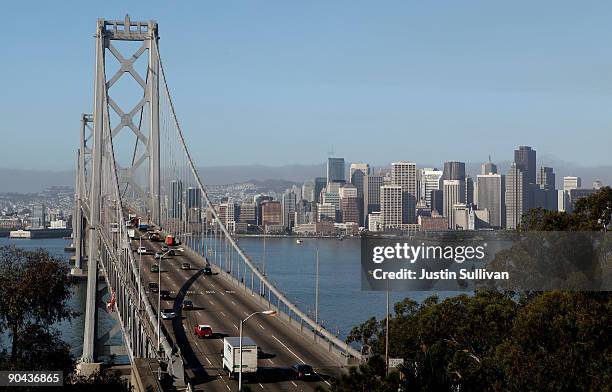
219, 303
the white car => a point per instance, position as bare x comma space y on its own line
168, 314
142, 250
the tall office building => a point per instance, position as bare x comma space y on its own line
391, 205
430, 180
194, 199
289, 201
247, 213
546, 178
437, 201
176, 199
259, 199
358, 172
469, 190
38, 216
491, 196
271, 213
453, 170
403, 174
516, 196
525, 159
335, 170
319, 184
454, 193
488, 167
371, 194
308, 191
571, 182
194, 203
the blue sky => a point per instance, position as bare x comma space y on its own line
279, 82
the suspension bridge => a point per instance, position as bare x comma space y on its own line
133, 161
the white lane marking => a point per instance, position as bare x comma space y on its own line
236, 328
210, 363
270, 360
211, 302
260, 326
259, 384
294, 384
234, 303
223, 314
228, 388
246, 313
283, 344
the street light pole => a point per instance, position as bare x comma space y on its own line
387, 332
265, 313
317, 290
159, 296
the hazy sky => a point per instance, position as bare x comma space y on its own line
278, 82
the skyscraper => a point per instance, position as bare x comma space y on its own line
488, 167
516, 196
391, 205
308, 191
491, 196
454, 193
335, 170
176, 199
404, 174
525, 159
39, 216
453, 170
571, 182
358, 171
288, 207
430, 180
371, 194
319, 184
546, 178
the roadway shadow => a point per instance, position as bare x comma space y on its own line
264, 355
192, 362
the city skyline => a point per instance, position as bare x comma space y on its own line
363, 71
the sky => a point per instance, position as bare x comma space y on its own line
280, 82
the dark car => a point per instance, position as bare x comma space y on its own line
185, 266
207, 271
153, 287
165, 294
302, 371
187, 304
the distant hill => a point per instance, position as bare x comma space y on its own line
276, 177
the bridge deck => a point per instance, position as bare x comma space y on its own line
219, 303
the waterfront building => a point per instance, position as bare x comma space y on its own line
403, 174
391, 206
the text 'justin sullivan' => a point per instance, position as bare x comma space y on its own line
445, 274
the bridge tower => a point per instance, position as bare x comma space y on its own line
93, 205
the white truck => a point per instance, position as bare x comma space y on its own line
231, 355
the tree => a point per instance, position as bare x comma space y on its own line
494, 341
34, 293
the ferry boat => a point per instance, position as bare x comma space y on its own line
298, 241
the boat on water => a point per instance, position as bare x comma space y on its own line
299, 241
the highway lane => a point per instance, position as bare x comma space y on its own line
220, 304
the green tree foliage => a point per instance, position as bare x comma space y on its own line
492, 341
34, 294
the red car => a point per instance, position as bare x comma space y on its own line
203, 331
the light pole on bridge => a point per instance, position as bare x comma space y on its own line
265, 313
159, 295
